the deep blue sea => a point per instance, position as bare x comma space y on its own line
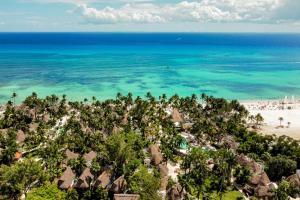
234, 66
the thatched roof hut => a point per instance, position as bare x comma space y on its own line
176, 116
66, 180
175, 193
125, 119
156, 155
84, 179
71, 155
33, 127
104, 179
262, 192
260, 179
244, 161
187, 126
164, 183
46, 118
119, 184
88, 157
21, 136
230, 141
163, 169
126, 197
294, 179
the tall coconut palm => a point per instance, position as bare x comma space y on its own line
251, 118
94, 99
14, 96
259, 119
280, 121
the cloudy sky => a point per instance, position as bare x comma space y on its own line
150, 15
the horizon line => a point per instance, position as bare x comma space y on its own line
144, 32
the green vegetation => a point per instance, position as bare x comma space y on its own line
19, 178
230, 195
52, 148
47, 192
144, 183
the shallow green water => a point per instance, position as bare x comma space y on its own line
234, 66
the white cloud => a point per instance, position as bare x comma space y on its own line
199, 11
2, 23
83, 1
128, 13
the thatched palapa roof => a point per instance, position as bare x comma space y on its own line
84, 179
66, 180
119, 185
88, 157
33, 127
163, 169
260, 179
294, 179
126, 197
251, 164
104, 179
262, 191
71, 155
21, 136
176, 116
156, 155
175, 193
164, 183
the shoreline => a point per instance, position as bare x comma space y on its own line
287, 108
281, 116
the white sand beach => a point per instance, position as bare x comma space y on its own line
288, 109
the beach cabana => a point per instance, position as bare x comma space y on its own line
46, 118
66, 180
294, 179
84, 179
119, 184
126, 197
176, 116
88, 157
164, 183
263, 192
20, 136
104, 179
71, 155
260, 179
156, 155
33, 127
175, 193
163, 169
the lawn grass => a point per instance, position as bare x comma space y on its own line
229, 195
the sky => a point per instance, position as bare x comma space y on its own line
150, 16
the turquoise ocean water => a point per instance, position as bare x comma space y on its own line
234, 66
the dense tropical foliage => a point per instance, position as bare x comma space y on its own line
42, 138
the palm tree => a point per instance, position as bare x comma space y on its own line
13, 96
289, 124
251, 118
93, 99
259, 119
280, 120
